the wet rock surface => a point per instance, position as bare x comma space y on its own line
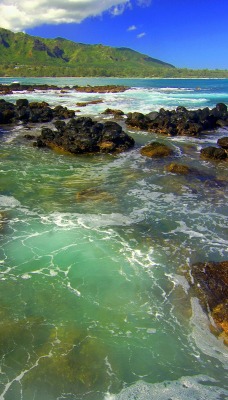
83, 135
156, 149
181, 169
211, 286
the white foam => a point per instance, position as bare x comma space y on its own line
203, 338
69, 220
9, 201
185, 388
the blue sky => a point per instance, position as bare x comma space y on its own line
185, 33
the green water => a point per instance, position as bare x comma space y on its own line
94, 303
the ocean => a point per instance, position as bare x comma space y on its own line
95, 250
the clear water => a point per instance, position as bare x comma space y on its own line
93, 300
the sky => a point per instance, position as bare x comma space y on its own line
184, 33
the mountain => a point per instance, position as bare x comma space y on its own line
22, 54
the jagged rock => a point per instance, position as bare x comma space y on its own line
61, 112
137, 120
31, 112
180, 121
83, 135
213, 153
211, 285
156, 149
22, 103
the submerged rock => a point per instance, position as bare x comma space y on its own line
180, 121
211, 285
175, 168
156, 149
94, 194
83, 135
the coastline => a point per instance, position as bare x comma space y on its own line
103, 296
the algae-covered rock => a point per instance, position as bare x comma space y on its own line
156, 149
175, 168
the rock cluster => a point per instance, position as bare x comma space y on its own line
83, 135
16, 86
31, 112
180, 121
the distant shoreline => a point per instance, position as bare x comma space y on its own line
105, 77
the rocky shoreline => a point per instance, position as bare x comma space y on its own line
180, 121
18, 87
82, 135
172, 123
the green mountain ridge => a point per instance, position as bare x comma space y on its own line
20, 50
25, 55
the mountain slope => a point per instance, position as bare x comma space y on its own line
21, 52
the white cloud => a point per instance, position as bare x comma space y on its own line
18, 15
132, 28
140, 35
119, 9
144, 3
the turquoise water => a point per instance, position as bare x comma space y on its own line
94, 300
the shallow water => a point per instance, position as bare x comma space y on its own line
94, 302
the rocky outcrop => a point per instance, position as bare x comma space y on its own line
31, 112
156, 149
83, 135
15, 87
101, 89
180, 121
211, 285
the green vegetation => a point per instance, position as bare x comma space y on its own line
25, 55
